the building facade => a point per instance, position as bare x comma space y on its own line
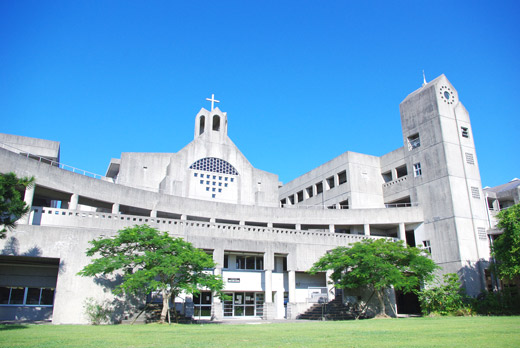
263, 236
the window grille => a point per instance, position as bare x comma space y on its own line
482, 233
469, 158
475, 192
427, 246
216, 165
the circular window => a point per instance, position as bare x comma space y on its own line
447, 95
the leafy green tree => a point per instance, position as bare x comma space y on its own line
377, 264
506, 248
445, 298
153, 261
12, 205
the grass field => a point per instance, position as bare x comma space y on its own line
410, 332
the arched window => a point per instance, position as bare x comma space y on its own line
202, 124
216, 123
216, 165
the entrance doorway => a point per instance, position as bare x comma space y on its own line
244, 304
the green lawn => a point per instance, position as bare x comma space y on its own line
410, 332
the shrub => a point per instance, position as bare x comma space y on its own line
504, 302
447, 298
97, 312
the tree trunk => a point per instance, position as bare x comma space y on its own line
381, 298
165, 305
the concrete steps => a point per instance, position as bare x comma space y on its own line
333, 310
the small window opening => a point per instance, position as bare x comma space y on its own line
342, 177
330, 182
300, 196
343, 204
387, 176
465, 132
291, 199
427, 246
319, 188
202, 124
417, 169
283, 202
309, 191
216, 123
414, 141
401, 171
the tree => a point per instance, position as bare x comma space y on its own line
152, 261
377, 264
12, 205
506, 248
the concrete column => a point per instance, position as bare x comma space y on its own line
184, 217
332, 229
330, 285
292, 286
292, 310
366, 229
73, 204
218, 257
269, 309
298, 227
270, 224
153, 213
217, 311
115, 208
28, 199
394, 174
212, 220
336, 180
402, 233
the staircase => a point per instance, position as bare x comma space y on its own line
333, 310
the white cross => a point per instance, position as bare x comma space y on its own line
213, 101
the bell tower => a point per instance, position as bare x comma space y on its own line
211, 124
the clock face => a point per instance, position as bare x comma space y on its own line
447, 95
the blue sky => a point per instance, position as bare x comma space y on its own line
301, 81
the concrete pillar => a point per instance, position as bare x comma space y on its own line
292, 310
366, 229
28, 199
298, 227
336, 180
269, 309
330, 285
153, 213
184, 217
218, 257
292, 286
394, 174
332, 229
270, 224
212, 220
217, 311
402, 233
115, 208
73, 204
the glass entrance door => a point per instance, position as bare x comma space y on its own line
244, 304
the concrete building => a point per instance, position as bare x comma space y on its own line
264, 236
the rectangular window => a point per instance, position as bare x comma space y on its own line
250, 262
427, 246
213, 195
202, 181
319, 188
387, 176
283, 202
465, 132
195, 174
475, 192
469, 158
414, 142
231, 179
401, 171
291, 199
342, 177
300, 196
219, 190
207, 188
226, 261
417, 169
330, 182
309, 191
26, 296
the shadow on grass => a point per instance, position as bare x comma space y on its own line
7, 327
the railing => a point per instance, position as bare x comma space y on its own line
51, 162
46, 216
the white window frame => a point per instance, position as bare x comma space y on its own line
417, 170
